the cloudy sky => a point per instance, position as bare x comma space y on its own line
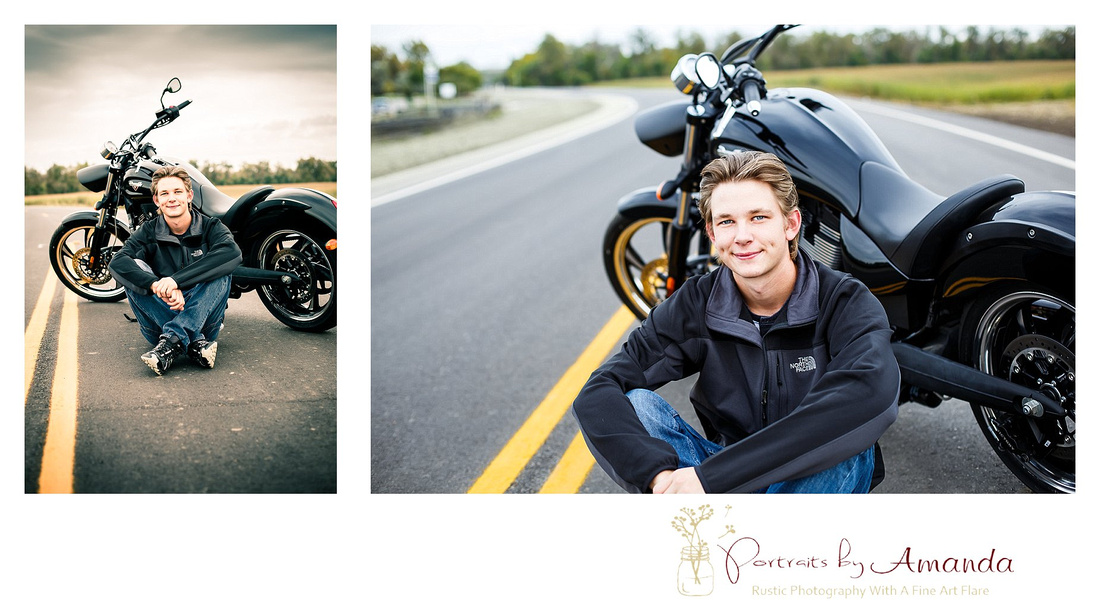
259, 93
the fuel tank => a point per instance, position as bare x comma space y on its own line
821, 139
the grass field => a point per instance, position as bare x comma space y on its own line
945, 83
949, 83
87, 198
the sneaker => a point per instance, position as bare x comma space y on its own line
159, 359
202, 352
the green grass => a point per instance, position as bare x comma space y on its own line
951, 83
945, 83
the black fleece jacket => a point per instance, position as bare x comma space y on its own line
818, 388
204, 252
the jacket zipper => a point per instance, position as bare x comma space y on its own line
778, 382
764, 394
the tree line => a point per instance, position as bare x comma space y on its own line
392, 75
555, 63
62, 179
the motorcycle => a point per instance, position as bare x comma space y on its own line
287, 235
978, 287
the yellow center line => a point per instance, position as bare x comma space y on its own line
571, 471
515, 455
36, 330
60, 449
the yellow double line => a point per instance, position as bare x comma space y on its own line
58, 454
577, 461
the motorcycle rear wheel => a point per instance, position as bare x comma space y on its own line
635, 252
69, 254
308, 304
1027, 334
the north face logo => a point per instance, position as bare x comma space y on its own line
804, 364
197, 252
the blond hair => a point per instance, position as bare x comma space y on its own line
750, 165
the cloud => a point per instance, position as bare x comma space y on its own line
87, 84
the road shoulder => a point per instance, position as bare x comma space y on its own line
388, 188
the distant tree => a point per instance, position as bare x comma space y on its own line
220, 173
416, 54
60, 179
465, 77
385, 71
33, 182
1056, 44
597, 62
691, 42
315, 170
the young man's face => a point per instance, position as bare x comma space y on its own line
749, 230
172, 197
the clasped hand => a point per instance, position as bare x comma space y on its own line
680, 481
169, 292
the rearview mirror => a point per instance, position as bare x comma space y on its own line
708, 70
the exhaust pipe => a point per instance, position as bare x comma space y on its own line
938, 374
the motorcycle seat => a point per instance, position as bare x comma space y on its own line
217, 204
915, 227
211, 201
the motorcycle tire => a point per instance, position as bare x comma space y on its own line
308, 304
69, 257
1026, 333
635, 254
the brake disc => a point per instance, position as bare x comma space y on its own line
1039, 362
81, 269
654, 278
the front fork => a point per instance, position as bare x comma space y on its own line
700, 121
108, 207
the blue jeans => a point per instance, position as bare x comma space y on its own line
663, 422
201, 317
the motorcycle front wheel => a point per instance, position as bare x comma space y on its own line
635, 254
70, 256
1027, 334
308, 303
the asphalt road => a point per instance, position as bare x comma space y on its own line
263, 420
486, 290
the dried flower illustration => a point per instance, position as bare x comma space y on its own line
688, 527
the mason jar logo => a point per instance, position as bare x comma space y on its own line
695, 575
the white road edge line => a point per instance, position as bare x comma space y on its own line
968, 133
613, 109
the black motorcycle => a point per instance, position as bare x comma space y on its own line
979, 286
287, 235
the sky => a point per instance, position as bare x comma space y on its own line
259, 93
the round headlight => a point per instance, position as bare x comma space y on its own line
109, 150
683, 74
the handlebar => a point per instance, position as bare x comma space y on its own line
172, 112
750, 91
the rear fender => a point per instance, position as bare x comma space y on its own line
1032, 236
299, 202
